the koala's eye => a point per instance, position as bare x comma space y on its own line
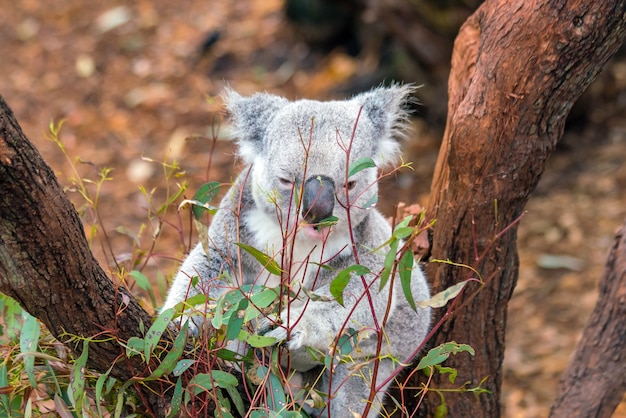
285, 182
350, 185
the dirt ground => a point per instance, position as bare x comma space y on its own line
132, 84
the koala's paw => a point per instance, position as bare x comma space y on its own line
279, 333
297, 335
266, 324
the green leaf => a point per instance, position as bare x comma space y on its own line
235, 316
206, 382
29, 338
223, 406
224, 379
264, 298
360, 165
447, 370
177, 399
404, 223
260, 341
439, 354
228, 355
339, 283
143, 282
218, 313
203, 196
441, 410
390, 259
77, 380
330, 221
156, 330
266, 261
99, 393
171, 359
134, 346
4, 382
276, 399
237, 400
181, 366
403, 232
405, 270
442, 298
347, 342
189, 303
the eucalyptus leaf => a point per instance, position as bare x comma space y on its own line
76, 389
171, 358
29, 338
439, 354
339, 283
360, 165
156, 330
202, 197
266, 261
405, 270
442, 298
144, 283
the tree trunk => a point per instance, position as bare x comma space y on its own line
47, 266
517, 68
595, 380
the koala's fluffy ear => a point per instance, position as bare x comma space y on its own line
250, 117
387, 109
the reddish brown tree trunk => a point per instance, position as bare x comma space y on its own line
517, 68
595, 380
47, 266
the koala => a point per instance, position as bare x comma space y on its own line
297, 155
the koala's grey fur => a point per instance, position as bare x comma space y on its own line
299, 148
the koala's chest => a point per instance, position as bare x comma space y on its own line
300, 258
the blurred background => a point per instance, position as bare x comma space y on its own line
137, 85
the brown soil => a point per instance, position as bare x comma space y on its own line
139, 89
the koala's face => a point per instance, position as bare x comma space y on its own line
300, 153
302, 167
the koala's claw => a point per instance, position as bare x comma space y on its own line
279, 333
266, 324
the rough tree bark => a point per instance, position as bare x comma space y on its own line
517, 68
595, 380
47, 266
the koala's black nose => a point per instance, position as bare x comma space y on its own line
318, 198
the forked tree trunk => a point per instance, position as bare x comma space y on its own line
517, 68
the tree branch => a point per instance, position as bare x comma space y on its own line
595, 380
47, 266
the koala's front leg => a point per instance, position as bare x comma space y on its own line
314, 324
298, 330
197, 264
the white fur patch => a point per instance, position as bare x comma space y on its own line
306, 253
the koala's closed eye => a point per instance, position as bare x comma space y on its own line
285, 182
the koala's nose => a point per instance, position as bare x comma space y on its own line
318, 198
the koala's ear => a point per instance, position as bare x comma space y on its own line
387, 109
250, 117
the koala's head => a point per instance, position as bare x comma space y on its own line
300, 152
